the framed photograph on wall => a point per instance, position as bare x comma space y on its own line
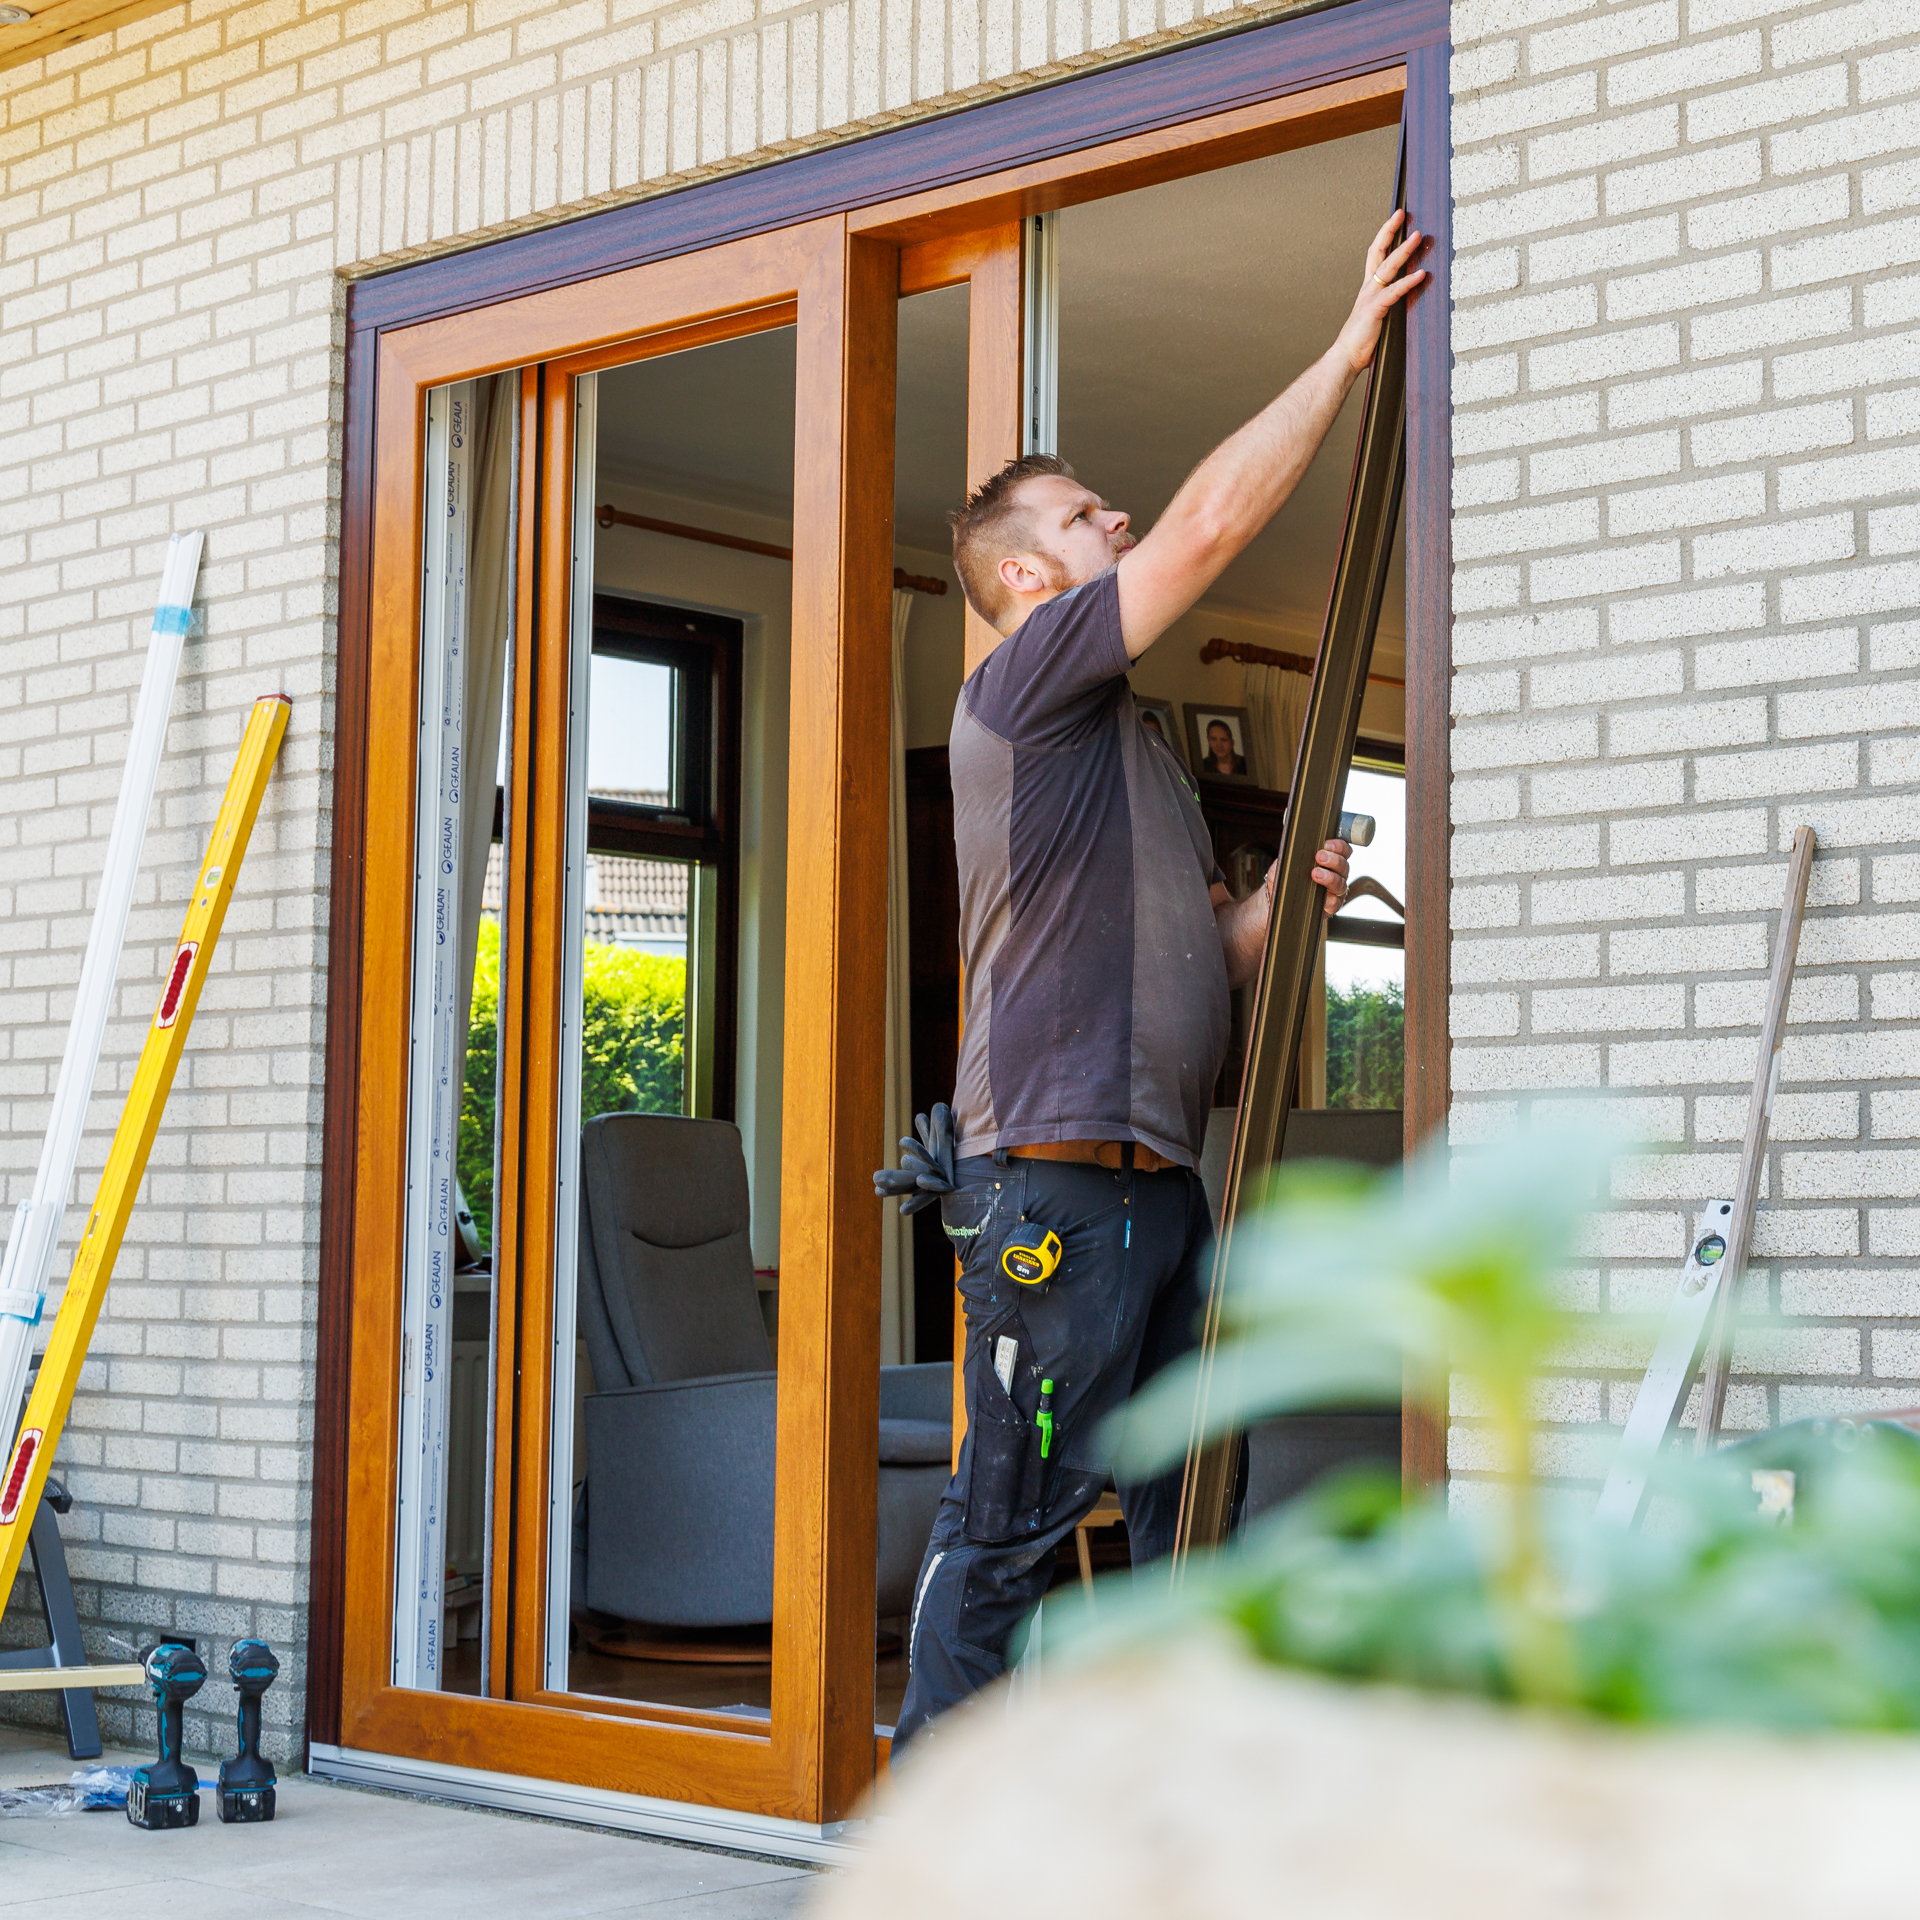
1158, 717
1217, 743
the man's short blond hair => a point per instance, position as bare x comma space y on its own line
994, 524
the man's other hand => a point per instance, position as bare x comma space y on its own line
1384, 284
1329, 871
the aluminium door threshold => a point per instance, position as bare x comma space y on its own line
751, 1833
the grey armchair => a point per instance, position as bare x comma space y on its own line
677, 1508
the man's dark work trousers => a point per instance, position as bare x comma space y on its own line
1125, 1300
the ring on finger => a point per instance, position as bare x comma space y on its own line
1380, 280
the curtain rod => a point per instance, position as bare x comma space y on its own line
617, 517
1250, 655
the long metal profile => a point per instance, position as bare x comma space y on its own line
133, 1138
837, 1843
1716, 1260
433, 1122
1287, 969
1040, 305
1753, 1152
36, 1222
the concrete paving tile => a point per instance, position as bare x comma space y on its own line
334, 1853
359, 1854
38, 1872
771, 1900
31, 1758
166, 1896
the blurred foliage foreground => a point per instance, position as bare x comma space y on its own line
1343, 1287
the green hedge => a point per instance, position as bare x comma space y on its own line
1366, 1046
633, 1047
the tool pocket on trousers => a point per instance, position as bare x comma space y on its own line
967, 1216
1006, 1477
977, 1220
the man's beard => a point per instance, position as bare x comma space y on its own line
1059, 577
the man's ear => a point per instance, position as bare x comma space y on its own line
1018, 574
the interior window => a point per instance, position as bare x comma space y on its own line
661, 888
1366, 953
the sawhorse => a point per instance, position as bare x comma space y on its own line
63, 1648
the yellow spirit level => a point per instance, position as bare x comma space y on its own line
133, 1140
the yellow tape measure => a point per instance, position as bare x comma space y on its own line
1031, 1261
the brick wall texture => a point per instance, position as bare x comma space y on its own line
1687, 385
1687, 621
182, 201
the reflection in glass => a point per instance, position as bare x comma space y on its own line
630, 730
661, 1588
1366, 985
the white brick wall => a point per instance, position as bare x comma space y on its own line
1688, 394
180, 202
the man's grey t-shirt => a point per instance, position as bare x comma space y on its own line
1096, 990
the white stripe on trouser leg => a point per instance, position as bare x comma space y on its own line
913, 1625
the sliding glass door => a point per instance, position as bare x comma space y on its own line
625, 1047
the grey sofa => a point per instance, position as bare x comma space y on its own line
677, 1507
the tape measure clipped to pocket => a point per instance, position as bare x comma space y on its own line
1031, 1255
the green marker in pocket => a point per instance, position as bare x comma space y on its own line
1044, 1418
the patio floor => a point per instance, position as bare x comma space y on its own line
343, 1851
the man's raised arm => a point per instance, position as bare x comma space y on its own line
1245, 481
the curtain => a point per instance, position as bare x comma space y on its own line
489, 627
896, 1234
1277, 700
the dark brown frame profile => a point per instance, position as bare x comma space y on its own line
1289, 966
932, 204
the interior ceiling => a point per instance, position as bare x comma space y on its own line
1184, 309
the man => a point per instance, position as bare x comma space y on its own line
1099, 943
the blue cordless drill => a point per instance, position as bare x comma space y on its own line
245, 1791
167, 1794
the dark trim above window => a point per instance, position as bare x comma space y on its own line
1151, 90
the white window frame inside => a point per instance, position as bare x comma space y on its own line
433, 1096
1040, 309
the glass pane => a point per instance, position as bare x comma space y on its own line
916, 1274
630, 731
667, 1299
449, 1310
633, 986
1366, 985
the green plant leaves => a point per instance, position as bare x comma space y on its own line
1339, 1287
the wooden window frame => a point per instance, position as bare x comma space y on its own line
827, 241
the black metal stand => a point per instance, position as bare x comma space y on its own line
63, 1648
